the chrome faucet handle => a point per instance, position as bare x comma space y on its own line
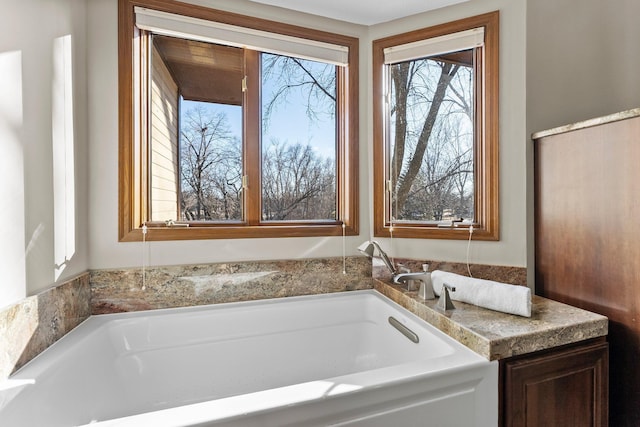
426, 288
444, 302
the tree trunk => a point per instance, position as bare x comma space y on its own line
405, 182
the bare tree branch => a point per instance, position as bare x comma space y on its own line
447, 72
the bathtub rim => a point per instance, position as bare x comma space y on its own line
96, 321
193, 414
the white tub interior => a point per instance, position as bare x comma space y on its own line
237, 363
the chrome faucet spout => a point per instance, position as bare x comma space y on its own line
426, 289
368, 248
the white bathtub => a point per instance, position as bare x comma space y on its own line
305, 361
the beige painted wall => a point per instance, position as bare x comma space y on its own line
583, 60
43, 132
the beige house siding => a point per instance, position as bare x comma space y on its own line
164, 142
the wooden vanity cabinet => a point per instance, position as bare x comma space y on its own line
587, 210
565, 386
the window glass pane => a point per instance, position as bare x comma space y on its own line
210, 161
195, 146
432, 138
298, 139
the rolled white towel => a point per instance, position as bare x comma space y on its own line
485, 293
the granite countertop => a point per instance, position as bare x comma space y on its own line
623, 115
496, 335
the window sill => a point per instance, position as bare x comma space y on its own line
435, 232
206, 231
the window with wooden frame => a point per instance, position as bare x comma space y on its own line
233, 126
436, 131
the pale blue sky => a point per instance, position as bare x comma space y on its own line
287, 123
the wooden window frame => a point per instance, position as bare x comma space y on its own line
133, 201
486, 159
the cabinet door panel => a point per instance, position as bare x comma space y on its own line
564, 388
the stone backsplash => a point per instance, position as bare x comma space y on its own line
498, 273
30, 326
187, 285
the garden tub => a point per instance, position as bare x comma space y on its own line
353, 358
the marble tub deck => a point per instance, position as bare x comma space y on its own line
31, 325
496, 335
